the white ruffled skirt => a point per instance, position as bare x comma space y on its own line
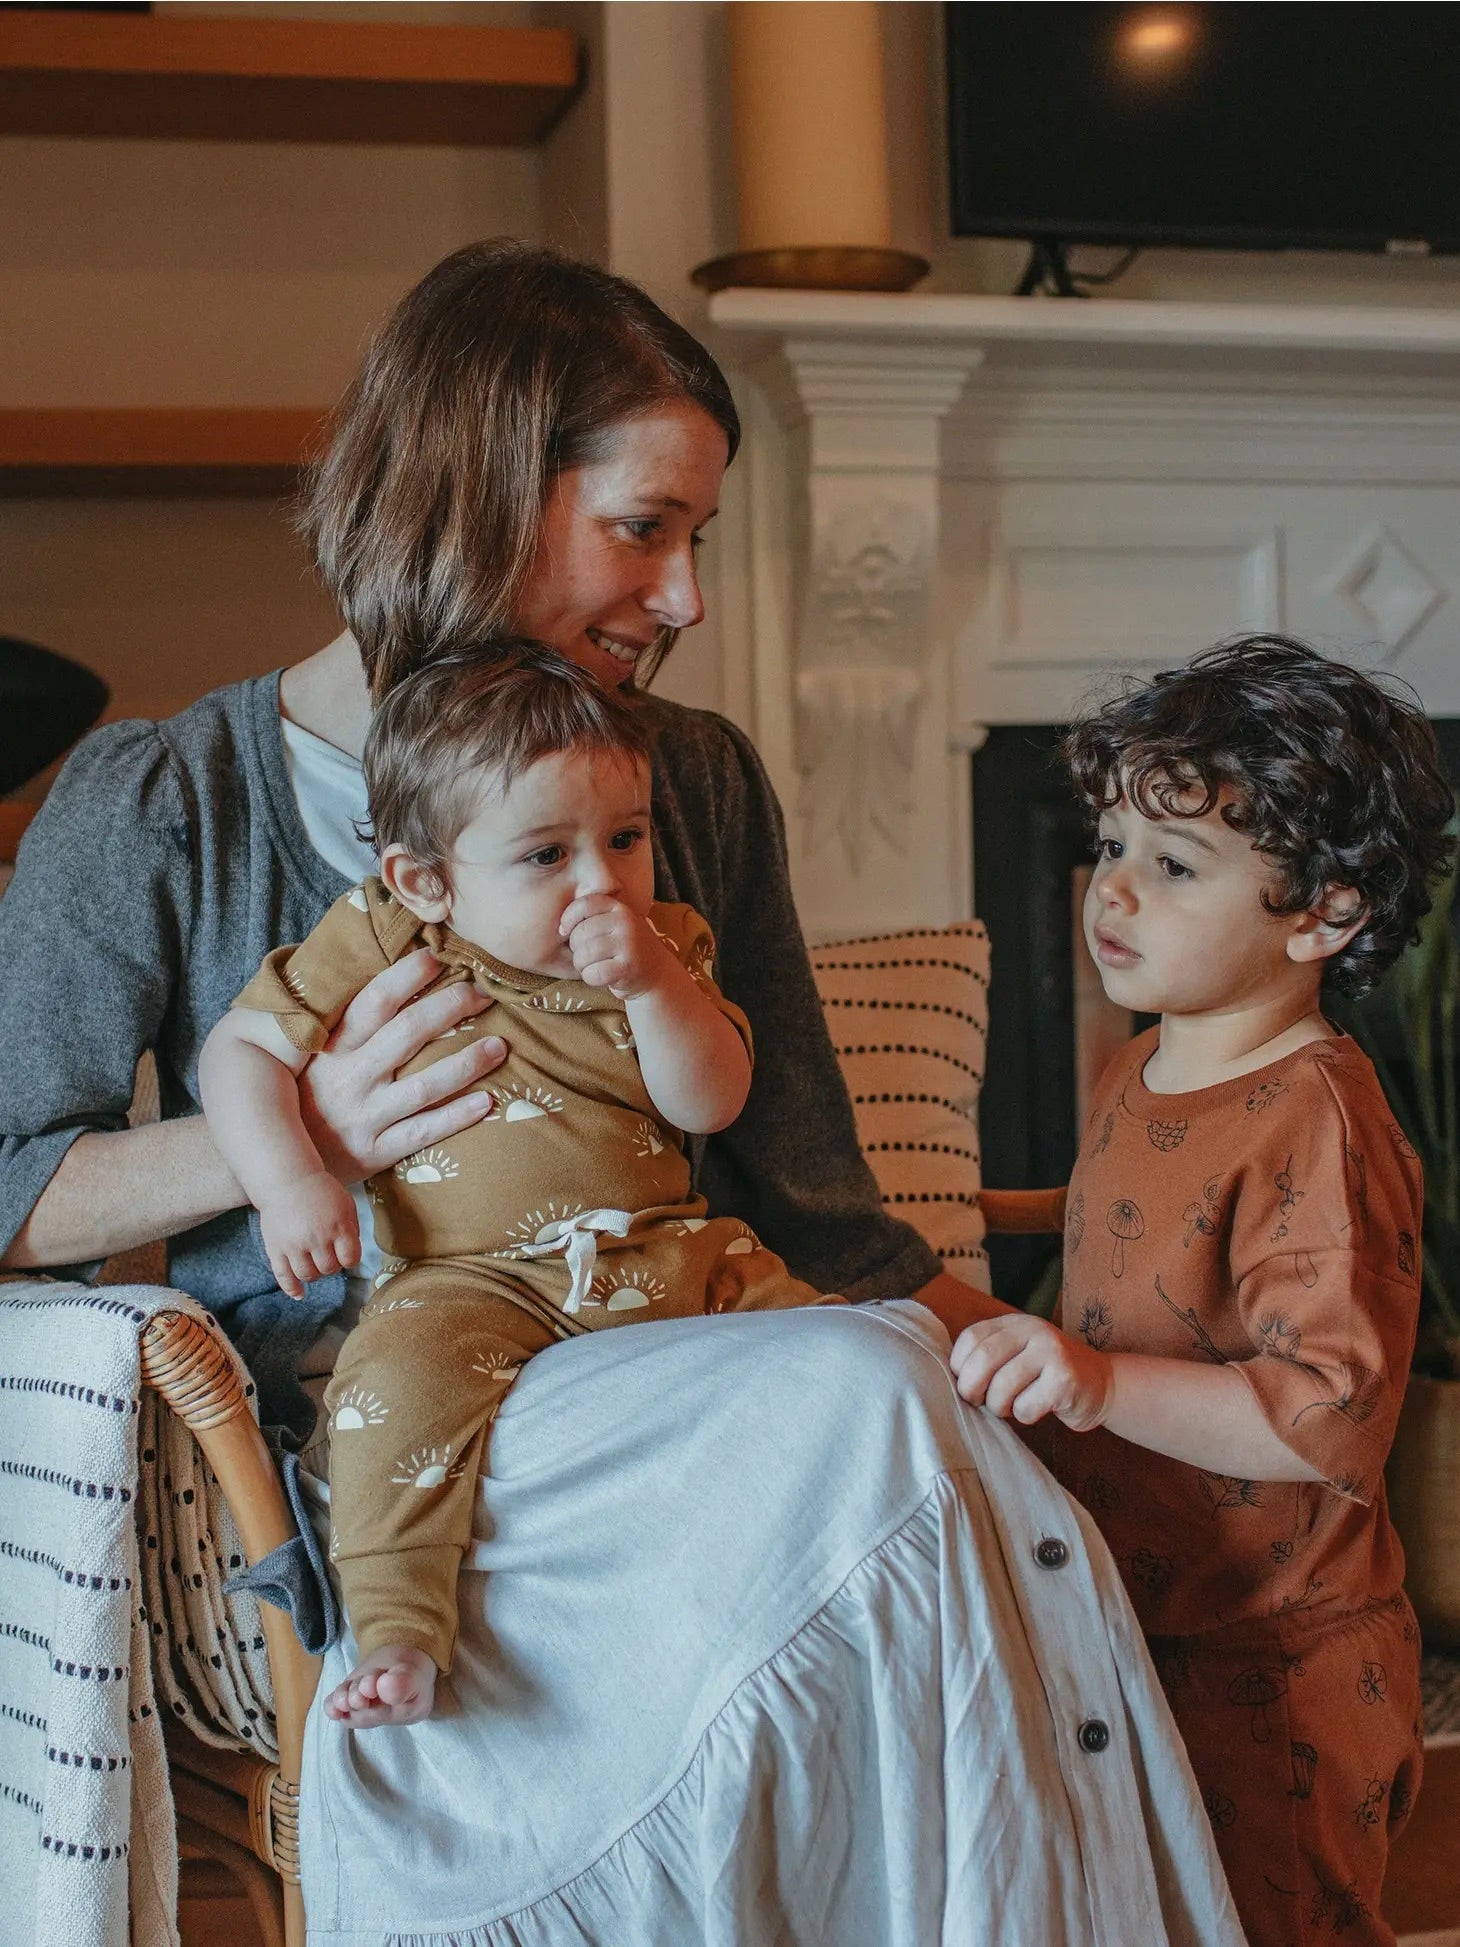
756, 1648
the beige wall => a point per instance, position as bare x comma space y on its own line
190, 273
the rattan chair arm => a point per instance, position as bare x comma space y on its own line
1022, 1212
192, 1366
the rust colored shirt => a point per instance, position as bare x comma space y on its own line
1270, 1223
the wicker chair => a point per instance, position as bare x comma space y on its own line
232, 1807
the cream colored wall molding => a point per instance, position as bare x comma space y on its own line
860, 667
988, 507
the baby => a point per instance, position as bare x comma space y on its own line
1242, 1253
509, 797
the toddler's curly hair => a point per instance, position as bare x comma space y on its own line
1335, 776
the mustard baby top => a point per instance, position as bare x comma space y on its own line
572, 1129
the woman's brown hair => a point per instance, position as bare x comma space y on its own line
506, 365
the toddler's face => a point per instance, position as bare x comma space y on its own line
573, 823
1174, 915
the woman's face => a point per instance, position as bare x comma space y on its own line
616, 561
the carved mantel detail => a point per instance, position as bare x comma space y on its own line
860, 682
984, 506
869, 420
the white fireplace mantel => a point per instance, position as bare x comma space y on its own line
921, 318
977, 508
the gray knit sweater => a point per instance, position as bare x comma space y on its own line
170, 857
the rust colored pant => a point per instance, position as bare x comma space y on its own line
1306, 1746
420, 1380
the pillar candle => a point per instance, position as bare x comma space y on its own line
810, 126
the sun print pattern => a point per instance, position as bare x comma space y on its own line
552, 1001
495, 1365
358, 1407
544, 1225
520, 1102
428, 1467
627, 1291
428, 1166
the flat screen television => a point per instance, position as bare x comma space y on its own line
1239, 126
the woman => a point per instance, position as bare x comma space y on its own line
693, 1676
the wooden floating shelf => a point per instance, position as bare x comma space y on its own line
231, 78
51, 450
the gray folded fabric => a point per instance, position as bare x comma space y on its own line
294, 1576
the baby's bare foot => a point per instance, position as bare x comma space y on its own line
394, 1685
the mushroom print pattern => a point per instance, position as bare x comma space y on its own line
1305, 1764
1124, 1220
1254, 1690
1075, 1221
1277, 1235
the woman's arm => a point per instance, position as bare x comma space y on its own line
790, 1165
115, 1189
956, 1304
94, 937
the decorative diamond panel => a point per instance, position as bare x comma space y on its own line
1392, 593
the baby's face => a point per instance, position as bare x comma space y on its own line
572, 824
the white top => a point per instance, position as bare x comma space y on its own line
330, 789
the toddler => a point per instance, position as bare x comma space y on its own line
1242, 1254
509, 798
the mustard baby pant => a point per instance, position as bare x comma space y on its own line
420, 1380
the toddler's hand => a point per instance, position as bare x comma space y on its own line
310, 1231
1023, 1368
613, 946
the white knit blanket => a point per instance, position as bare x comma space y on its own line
88, 1848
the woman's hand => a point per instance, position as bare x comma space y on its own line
1023, 1368
360, 1113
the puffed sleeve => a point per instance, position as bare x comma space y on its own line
93, 929
790, 1164
690, 940
308, 987
1326, 1254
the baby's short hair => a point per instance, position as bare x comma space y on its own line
1335, 777
497, 708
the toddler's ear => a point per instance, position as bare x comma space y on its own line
1319, 934
420, 888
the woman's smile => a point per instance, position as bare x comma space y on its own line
615, 568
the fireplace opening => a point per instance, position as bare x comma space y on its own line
1051, 1029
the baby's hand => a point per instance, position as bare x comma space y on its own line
1024, 1368
310, 1230
613, 946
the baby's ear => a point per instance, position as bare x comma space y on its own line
420, 888
1327, 928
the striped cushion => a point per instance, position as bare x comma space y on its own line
908, 1014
